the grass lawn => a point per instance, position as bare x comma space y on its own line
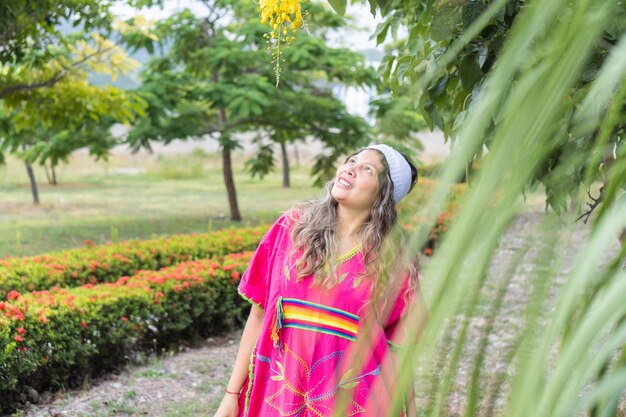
133, 197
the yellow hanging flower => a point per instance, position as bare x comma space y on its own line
284, 18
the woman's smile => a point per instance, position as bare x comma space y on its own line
344, 183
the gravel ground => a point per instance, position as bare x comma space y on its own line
190, 383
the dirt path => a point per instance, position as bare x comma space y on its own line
191, 382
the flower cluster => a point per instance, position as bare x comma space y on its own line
283, 16
413, 214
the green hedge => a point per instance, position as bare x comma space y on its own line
107, 263
50, 339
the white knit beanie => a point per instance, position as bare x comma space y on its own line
399, 170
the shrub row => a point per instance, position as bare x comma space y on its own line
62, 337
96, 264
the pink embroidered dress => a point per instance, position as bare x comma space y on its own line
306, 360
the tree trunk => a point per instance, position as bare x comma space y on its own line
33, 183
229, 181
296, 154
283, 149
45, 169
230, 185
54, 175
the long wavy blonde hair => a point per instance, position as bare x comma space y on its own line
314, 232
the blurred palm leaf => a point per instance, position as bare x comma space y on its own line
563, 352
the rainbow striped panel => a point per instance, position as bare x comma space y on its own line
306, 315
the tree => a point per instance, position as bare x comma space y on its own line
49, 108
48, 124
451, 49
218, 79
30, 36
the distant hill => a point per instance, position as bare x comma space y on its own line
372, 55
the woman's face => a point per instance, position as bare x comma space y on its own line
356, 182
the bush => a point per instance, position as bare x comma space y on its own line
96, 264
60, 337
412, 211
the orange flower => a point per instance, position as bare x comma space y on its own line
234, 275
428, 251
21, 331
13, 295
16, 313
18, 338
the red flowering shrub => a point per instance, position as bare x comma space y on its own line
96, 264
57, 337
412, 212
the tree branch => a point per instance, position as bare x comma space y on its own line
591, 206
9, 31
53, 79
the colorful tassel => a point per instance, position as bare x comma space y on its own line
277, 324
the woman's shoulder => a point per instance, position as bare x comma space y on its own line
289, 218
285, 222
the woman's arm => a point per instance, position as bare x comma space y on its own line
229, 406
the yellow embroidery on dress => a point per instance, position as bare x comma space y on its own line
351, 254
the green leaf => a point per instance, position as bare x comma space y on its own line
381, 32
339, 6
287, 274
346, 376
350, 385
471, 11
445, 21
438, 89
373, 6
402, 67
469, 71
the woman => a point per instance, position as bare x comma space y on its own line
325, 306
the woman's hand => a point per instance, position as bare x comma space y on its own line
229, 407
